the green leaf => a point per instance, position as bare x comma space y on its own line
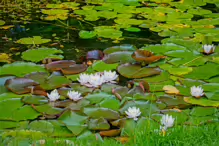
43, 126
48, 109
2, 22
133, 29
203, 111
87, 34
101, 66
101, 112
35, 40
202, 101
36, 55
21, 68
98, 124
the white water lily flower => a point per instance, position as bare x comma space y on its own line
133, 112
109, 76
167, 122
84, 79
73, 95
54, 95
95, 80
197, 91
208, 48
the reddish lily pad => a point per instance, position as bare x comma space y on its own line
136, 71
110, 133
74, 69
20, 85
146, 56
58, 65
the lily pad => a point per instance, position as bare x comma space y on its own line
101, 66
98, 124
136, 71
125, 47
101, 112
48, 109
202, 101
20, 85
21, 68
87, 34
118, 57
58, 65
2, 22
36, 55
73, 121
33, 99
203, 111
35, 40
43, 126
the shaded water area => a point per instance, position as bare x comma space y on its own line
87, 70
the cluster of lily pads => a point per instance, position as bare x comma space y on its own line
123, 88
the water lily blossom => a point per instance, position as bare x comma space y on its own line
208, 49
133, 112
84, 79
167, 122
96, 80
197, 91
73, 95
54, 95
110, 76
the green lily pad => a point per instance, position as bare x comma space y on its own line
108, 32
204, 72
110, 103
8, 124
118, 57
2, 22
48, 109
48, 82
136, 71
203, 111
101, 66
133, 29
73, 121
33, 99
87, 34
59, 129
43, 126
101, 112
36, 55
202, 101
35, 40
98, 124
125, 47
212, 95
55, 11
21, 68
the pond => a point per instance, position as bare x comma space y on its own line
105, 68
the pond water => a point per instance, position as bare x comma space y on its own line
164, 53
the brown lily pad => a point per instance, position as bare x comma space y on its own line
58, 65
113, 132
136, 71
74, 69
20, 85
146, 56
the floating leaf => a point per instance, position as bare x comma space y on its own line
101, 66
125, 47
73, 121
36, 55
58, 65
146, 56
35, 40
33, 99
133, 29
201, 101
101, 112
87, 34
74, 69
98, 124
136, 71
48, 109
118, 57
170, 89
2, 22
43, 126
5, 58
110, 133
203, 111
21, 68
20, 85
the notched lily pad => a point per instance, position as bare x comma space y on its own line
136, 71
146, 56
36, 55
33, 99
118, 57
98, 124
35, 40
